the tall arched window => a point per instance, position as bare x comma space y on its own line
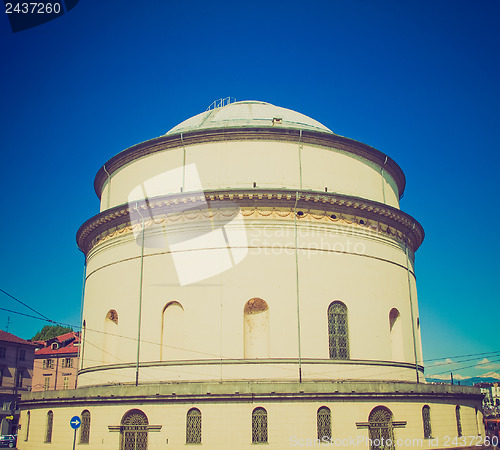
193, 426
85, 428
48, 429
256, 329
380, 426
324, 423
28, 419
172, 332
338, 331
426, 420
134, 431
459, 421
396, 330
110, 336
259, 426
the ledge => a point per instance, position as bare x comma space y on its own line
369, 214
250, 392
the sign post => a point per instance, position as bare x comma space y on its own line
75, 423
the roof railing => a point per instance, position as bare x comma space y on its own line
220, 103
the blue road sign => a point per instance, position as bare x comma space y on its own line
75, 422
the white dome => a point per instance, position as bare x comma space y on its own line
249, 113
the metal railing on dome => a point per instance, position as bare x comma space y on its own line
220, 103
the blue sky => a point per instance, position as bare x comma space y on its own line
418, 80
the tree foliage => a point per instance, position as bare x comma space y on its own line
50, 331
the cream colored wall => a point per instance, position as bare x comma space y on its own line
353, 264
223, 165
228, 425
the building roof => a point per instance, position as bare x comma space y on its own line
8, 337
66, 344
249, 113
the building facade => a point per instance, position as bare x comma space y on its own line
16, 372
56, 363
250, 280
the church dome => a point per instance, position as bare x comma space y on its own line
249, 113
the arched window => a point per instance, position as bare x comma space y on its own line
28, 419
338, 331
85, 428
193, 426
459, 421
324, 420
396, 330
259, 426
134, 431
256, 329
426, 420
110, 336
48, 429
112, 316
172, 332
381, 428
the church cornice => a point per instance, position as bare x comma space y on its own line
316, 138
313, 206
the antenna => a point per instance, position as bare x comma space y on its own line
220, 103
8, 323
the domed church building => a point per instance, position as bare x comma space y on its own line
250, 280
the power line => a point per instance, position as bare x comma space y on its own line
24, 304
45, 318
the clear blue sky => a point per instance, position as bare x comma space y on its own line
418, 80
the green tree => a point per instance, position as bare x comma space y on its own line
49, 332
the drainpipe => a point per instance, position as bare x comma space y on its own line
383, 184
297, 284
411, 311
183, 188
300, 160
82, 343
57, 367
108, 196
140, 301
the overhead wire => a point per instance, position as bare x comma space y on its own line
282, 366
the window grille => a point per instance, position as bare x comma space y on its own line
85, 428
67, 363
381, 429
426, 419
459, 421
66, 383
338, 331
22, 355
259, 426
48, 432
324, 423
134, 431
48, 364
193, 426
28, 418
2, 352
46, 384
